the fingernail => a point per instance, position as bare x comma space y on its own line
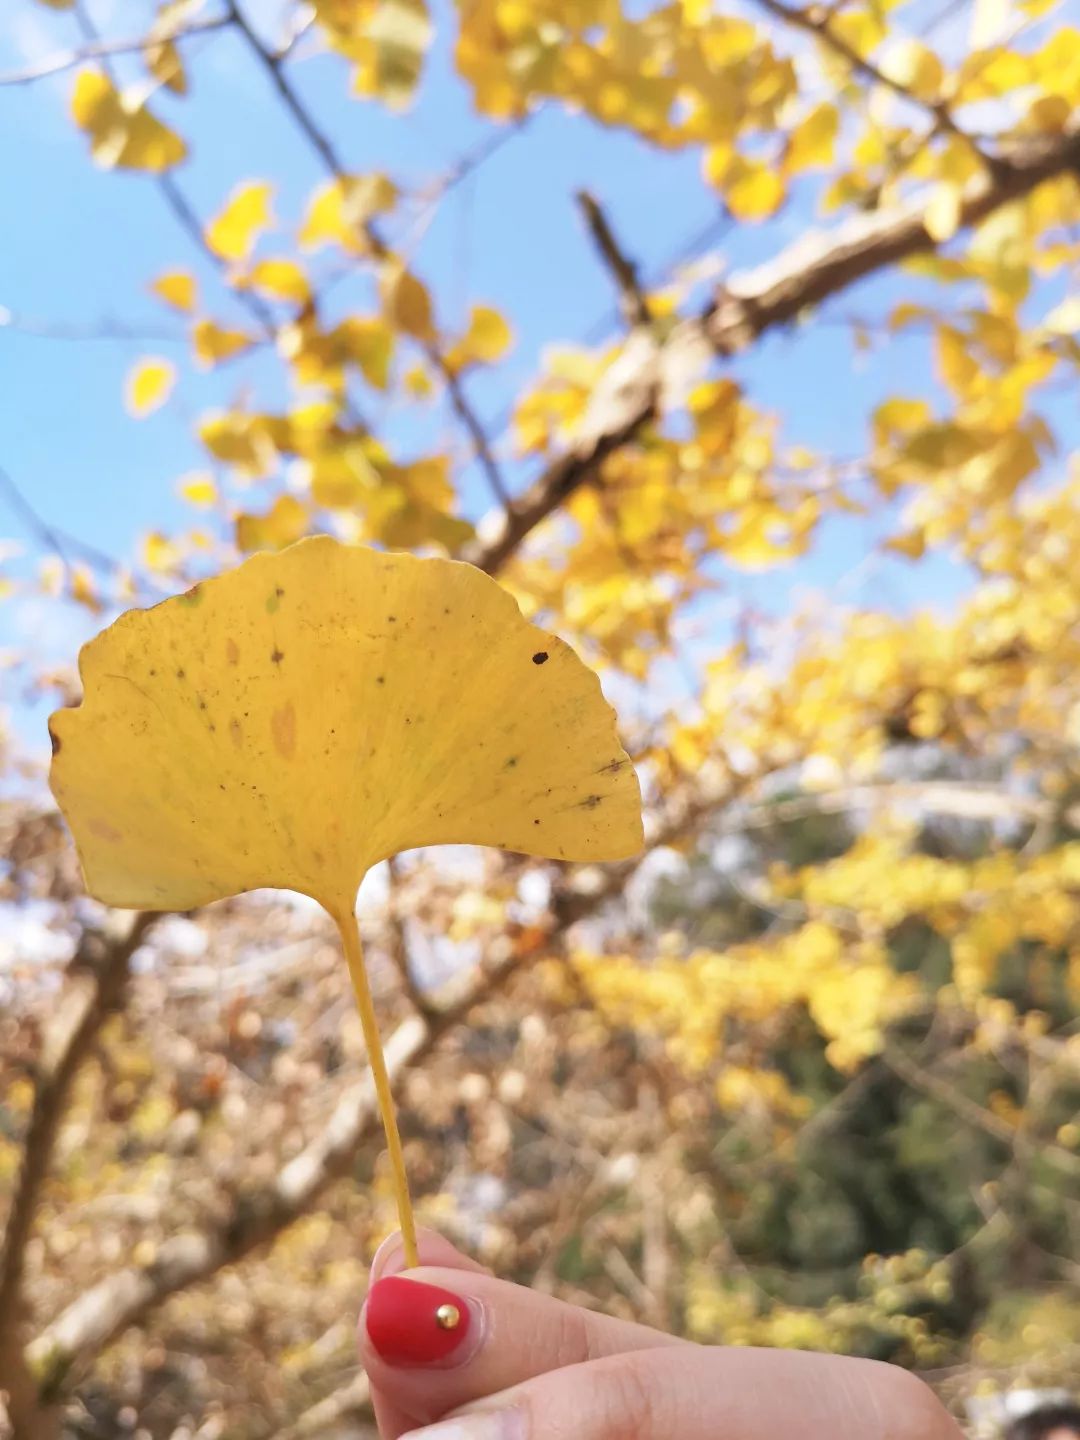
411, 1323
387, 1255
484, 1425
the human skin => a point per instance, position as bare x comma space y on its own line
454, 1354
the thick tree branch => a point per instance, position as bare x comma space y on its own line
815, 269
97, 975
325, 1417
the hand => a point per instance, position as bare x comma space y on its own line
474, 1358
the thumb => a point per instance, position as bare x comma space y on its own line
700, 1393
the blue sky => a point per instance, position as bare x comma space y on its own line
81, 245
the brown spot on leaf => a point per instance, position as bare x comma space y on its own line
236, 732
540, 657
612, 768
283, 729
277, 655
512, 762
232, 651
104, 831
590, 802
180, 673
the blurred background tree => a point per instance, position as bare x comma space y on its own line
741, 343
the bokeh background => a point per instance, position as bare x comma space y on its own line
740, 342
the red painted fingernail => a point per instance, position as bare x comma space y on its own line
410, 1323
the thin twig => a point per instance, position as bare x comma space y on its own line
398, 945
815, 24
105, 329
635, 306
338, 170
174, 196
97, 49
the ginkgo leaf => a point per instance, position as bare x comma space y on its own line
280, 278
486, 341
164, 62
212, 343
234, 230
148, 385
123, 133
339, 210
310, 713
283, 524
177, 288
198, 488
406, 301
306, 715
399, 33
755, 192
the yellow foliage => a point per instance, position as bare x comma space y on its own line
148, 385
234, 231
406, 302
267, 669
339, 210
485, 342
281, 279
123, 133
212, 343
177, 288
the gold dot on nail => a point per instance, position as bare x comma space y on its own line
448, 1317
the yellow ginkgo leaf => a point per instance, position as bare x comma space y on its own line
339, 210
233, 232
302, 717
406, 301
212, 343
753, 191
479, 729
165, 64
148, 385
283, 524
486, 341
198, 488
177, 288
281, 279
123, 133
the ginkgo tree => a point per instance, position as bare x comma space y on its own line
854, 929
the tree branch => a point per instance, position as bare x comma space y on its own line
323, 1418
635, 307
98, 973
125, 1297
815, 21
815, 269
397, 941
99, 49
336, 167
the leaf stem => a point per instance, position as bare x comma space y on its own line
350, 940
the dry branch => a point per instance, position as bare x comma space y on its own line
816, 268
